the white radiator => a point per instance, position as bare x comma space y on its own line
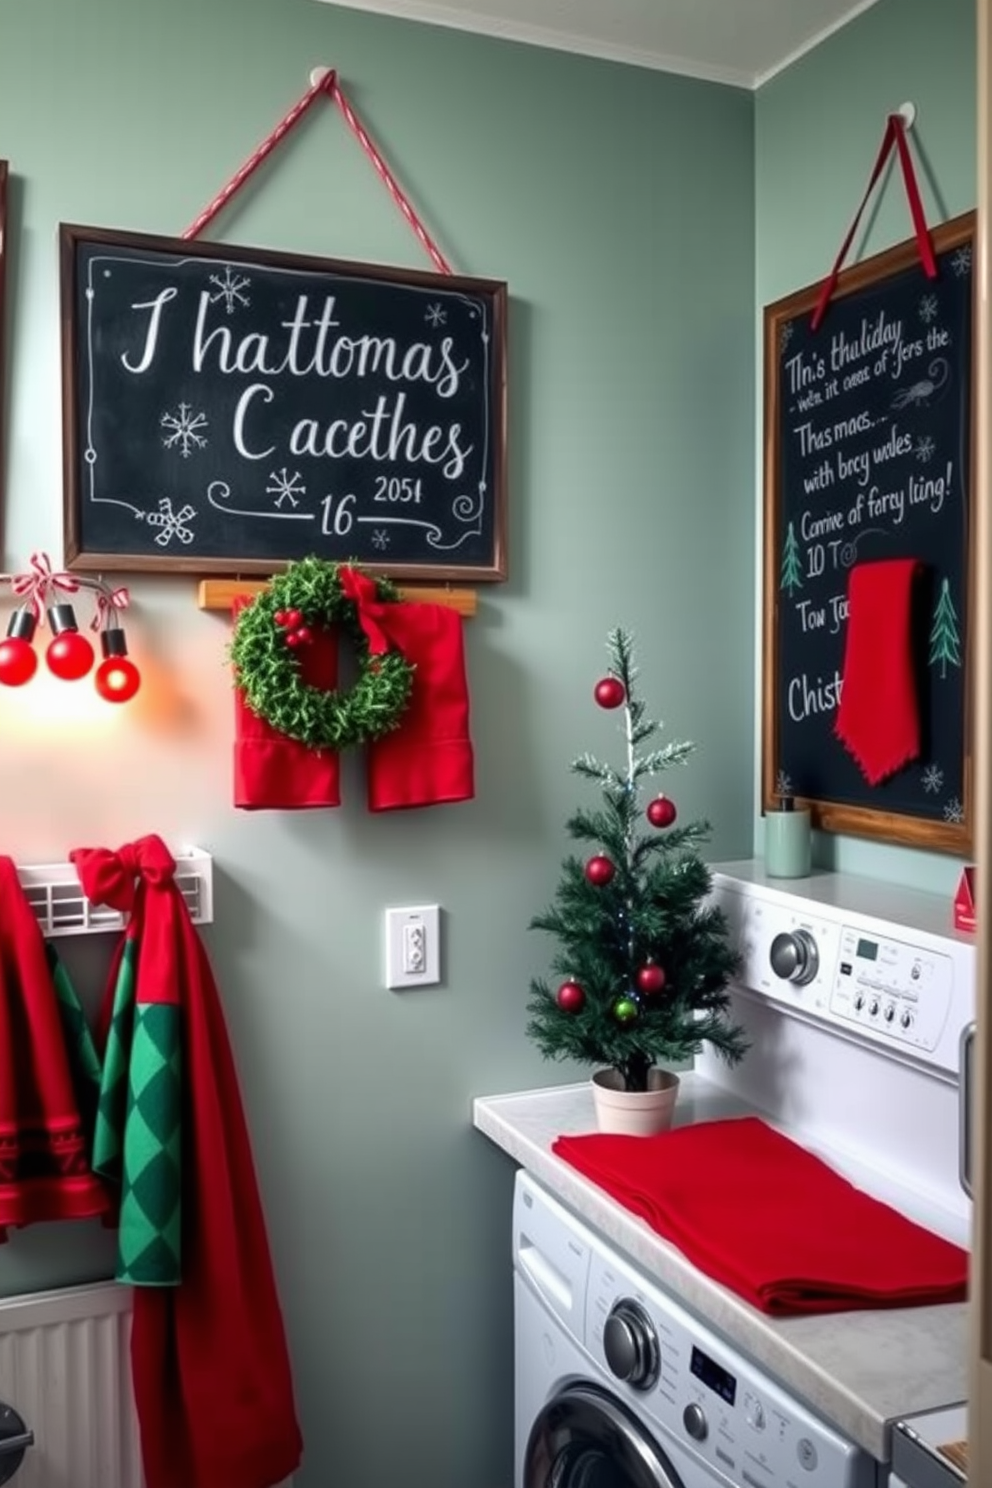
65, 1368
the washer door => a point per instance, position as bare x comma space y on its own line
585, 1438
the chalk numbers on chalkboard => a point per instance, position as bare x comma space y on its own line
233, 410
867, 458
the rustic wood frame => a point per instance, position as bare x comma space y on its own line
834, 816
76, 556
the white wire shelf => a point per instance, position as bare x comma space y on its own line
54, 892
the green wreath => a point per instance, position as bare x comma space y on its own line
267, 666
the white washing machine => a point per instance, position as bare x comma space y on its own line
618, 1387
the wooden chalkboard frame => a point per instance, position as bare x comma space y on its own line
935, 834
384, 287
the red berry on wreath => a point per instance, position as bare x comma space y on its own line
661, 812
280, 617
650, 978
609, 692
570, 997
304, 635
600, 870
293, 639
626, 1009
293, 619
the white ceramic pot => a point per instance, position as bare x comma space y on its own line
635, 1113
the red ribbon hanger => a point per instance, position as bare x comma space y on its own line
324, 81
894, 136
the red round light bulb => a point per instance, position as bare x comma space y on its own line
69, 656
117, 679
18, 661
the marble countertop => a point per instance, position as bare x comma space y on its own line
860, 1370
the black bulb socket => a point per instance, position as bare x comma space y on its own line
61, 617
22, 625
113, 642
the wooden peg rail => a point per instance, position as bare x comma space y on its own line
220, 594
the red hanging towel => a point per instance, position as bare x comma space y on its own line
48, 1072
210, 1366
271, 771
878, 717
771, 1221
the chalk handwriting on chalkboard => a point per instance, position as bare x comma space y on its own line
231, 409
868, 448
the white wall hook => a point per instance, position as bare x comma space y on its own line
908, 112
318, 74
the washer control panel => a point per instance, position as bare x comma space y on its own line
909, 991
708, 1399
893, 986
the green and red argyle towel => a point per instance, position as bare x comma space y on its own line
209, 1362
49, 1077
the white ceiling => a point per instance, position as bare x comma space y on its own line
727, 41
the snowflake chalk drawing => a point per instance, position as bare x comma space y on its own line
436, 316
380, 540
925, 448
928, 309
933, 780
184, 430
171, 524
961, 262
954, 811
285, 487
230, 287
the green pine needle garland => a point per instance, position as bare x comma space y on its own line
268, 672
654, 909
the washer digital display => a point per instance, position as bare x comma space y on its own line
714, 1375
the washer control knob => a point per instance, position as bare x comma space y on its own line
631, 1344
694, 1421
794, 956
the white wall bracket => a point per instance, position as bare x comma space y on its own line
54, 892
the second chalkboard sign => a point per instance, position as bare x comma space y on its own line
867, 460
229, 410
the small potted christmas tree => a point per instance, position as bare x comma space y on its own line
644, 956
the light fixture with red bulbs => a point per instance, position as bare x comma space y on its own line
70, 655
18, 658
117, 678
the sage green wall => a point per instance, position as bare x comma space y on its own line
618, 205
818, 126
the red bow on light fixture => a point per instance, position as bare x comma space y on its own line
69, 655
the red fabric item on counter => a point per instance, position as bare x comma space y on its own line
45, 1168
769, 1220
209, 1361
878, 716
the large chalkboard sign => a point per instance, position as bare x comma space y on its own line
227, 410
868, 457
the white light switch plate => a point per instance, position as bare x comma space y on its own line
413, 946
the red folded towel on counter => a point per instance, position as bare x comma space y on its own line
769, 1220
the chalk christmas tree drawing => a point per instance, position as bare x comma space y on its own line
945, 643
791, 566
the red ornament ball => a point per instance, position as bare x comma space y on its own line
69, 656
661, 812
609, 692
18, 661
650, 977
570, 997
600, 870
626, 1009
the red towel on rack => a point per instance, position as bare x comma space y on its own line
48, 1071
209, 1360
769, 1220
878, 717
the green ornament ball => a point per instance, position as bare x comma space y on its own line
626, 1009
